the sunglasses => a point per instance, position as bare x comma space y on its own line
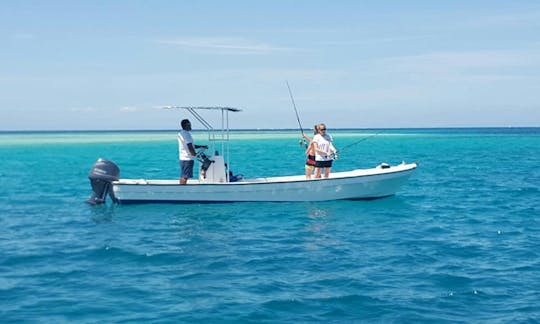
323, 129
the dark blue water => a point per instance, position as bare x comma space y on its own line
459, 243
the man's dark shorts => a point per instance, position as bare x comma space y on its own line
186, 168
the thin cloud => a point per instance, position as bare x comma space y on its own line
93, 110
128, 109
467, 63
84, 110
380, 40
22, 36
531, 18
225, 45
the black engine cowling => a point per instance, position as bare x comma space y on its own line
101, 175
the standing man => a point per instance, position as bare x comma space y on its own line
186, 151
324, 152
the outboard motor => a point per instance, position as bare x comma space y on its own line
101, 175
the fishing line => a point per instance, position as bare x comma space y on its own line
357, 142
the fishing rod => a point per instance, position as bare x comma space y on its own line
295, 110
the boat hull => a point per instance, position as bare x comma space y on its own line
357, 184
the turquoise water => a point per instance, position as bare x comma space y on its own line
459, 243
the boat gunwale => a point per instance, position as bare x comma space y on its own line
264, 181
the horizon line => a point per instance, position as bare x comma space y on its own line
259, 129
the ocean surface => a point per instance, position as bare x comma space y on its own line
459, 243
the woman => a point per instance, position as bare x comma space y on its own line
324, 151
310, 153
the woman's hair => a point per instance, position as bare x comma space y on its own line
315, 129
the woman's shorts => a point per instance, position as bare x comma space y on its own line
324, 164
311, 160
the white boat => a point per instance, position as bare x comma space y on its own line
214, 184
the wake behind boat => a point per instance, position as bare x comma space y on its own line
216, 185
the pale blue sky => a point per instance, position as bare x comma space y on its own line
359, 64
